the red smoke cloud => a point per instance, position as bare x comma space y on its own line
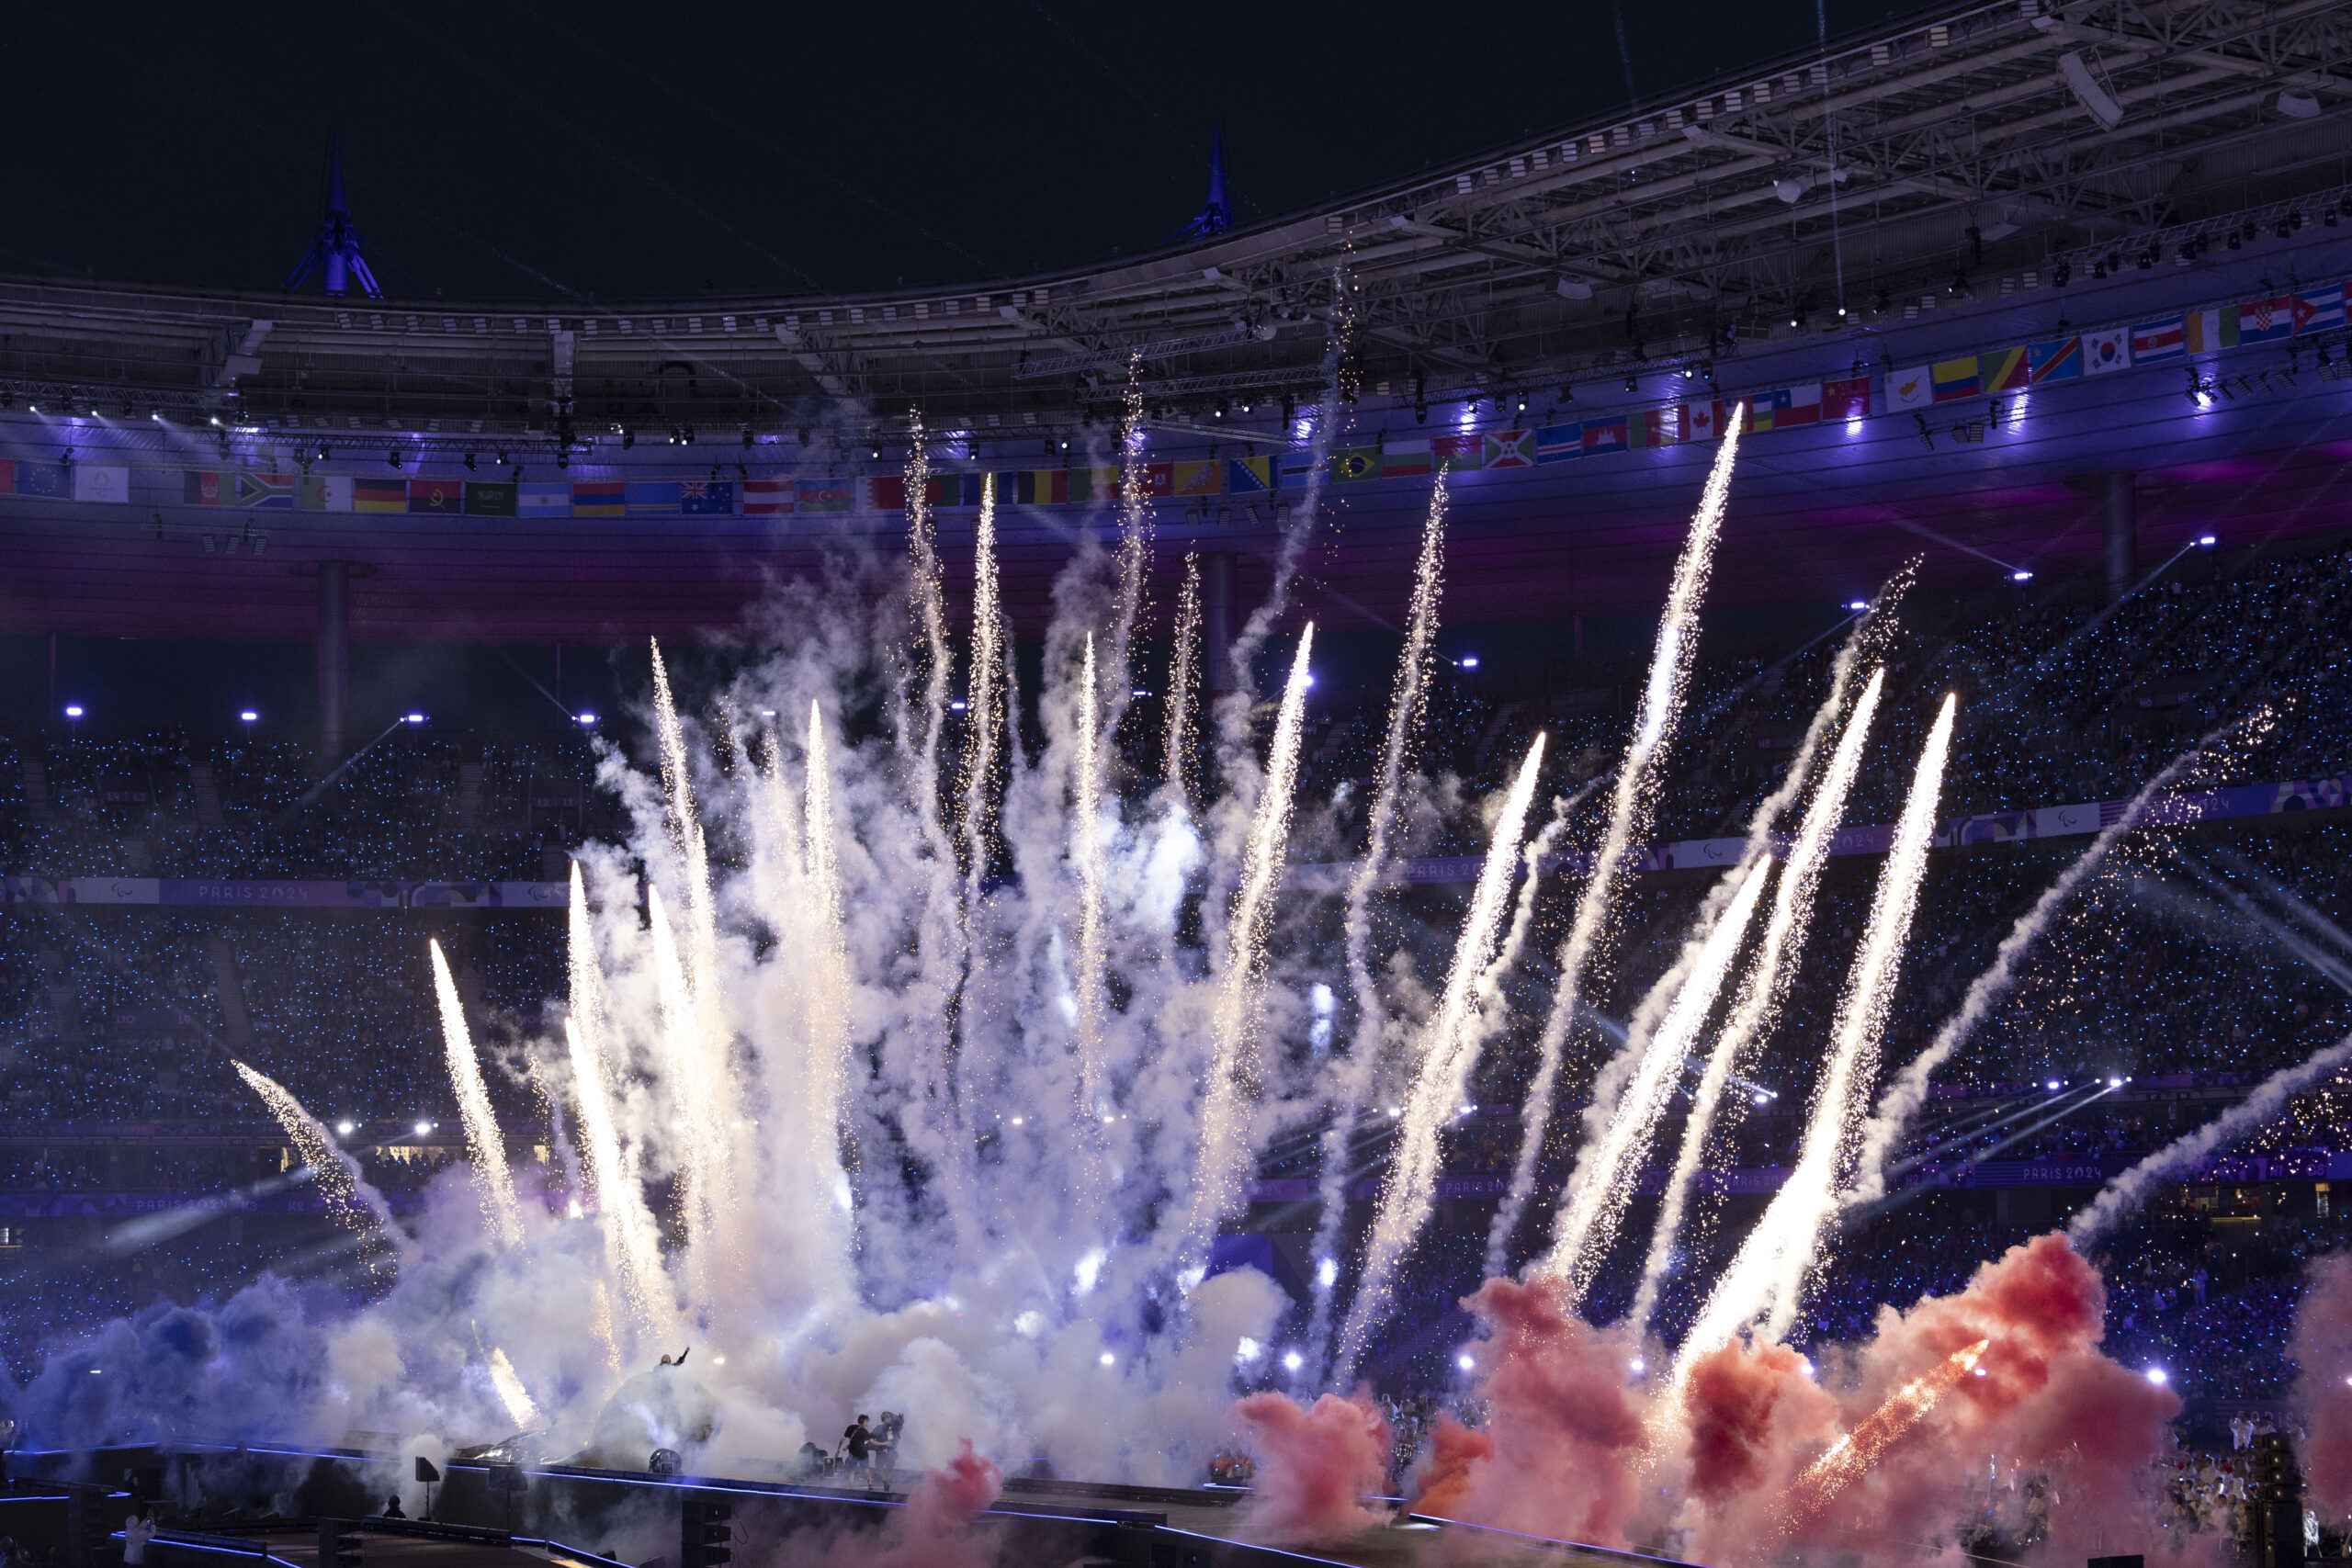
934, 1530
2323, 1348
1564, 1431
1313, 1465
1443, 1481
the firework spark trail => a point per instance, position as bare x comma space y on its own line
1605, 1172
983, 699
2128, 1190
1225, 1151
632, 1244
1773, 968
1910, 1091
712, 1114
1851, 1457
1629, 812
1352, 1075
680, 1069
485, 1148
1184, 667
1134, 558
1086, 833
1448, 1047
335, 1173
828, 1049
512, 1395
944, 934
1766, 1274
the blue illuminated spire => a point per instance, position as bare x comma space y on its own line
336, 252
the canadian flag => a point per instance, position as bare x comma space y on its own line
1703, 422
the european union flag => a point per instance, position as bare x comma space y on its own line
44, 478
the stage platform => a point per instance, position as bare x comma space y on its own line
214, 1502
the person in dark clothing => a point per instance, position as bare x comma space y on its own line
392, 1507
857, 1447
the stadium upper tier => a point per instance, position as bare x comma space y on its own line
1798, 243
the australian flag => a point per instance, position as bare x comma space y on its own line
707, 497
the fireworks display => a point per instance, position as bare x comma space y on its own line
1853, 1455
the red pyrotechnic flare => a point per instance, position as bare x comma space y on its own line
1850, 1458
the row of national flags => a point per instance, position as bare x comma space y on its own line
2171, 339
2273, 319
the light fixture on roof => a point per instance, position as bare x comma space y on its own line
415, 718
249, 715
2207, 541
2021, 575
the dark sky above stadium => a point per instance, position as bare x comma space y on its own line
516, 149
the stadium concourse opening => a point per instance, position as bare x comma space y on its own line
1633, 849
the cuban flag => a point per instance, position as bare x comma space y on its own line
2320, 311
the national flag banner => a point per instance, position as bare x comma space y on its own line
8, 477
716, 497
327, 493
1604, 435
2319, 310
599, 498
1510, 449
883, 493
378, 495
1246, 476
1448, 453
769, 498
2267, 321
203, 486
1846, 399
1655, 427
1704, 420
887, 492
968, 490
1956, 379
1297, 469
1794, 406
1195, 478
2109, 348
1032, 487
44, 478
1558, 442
2155, 342
274, 492
1155, 479
1405, 459
1080, 484
1913, 389
2206, 332
2055, 360
489, 498
834, 495
442, 497
2005, 369
1355, 463
543, 498
651, 498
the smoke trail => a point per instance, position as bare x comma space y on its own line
1904, 1097
1224, 1150
485, 1148
829, 1062
1086, 831
2127, 1191
337, 1175
1770, 973
1629, 812
1604, 1175
1407, 706
1765, 1276
680, 1070
633, 1246
1448, 1046
1183, 665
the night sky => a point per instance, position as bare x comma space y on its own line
510, 149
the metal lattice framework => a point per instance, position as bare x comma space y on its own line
1814, 196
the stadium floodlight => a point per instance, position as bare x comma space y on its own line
1858, 606
2156, 1376
344, 1127
248, 716
423, 1128
1468, 661
2052, 1085
1293, 1361
2207, 541
415, 718
588, 717
1466, 1362
2021, 575
74, 710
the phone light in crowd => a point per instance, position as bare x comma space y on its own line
2021, 575
416, 718
2207, 541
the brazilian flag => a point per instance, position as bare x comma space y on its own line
1356, 463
